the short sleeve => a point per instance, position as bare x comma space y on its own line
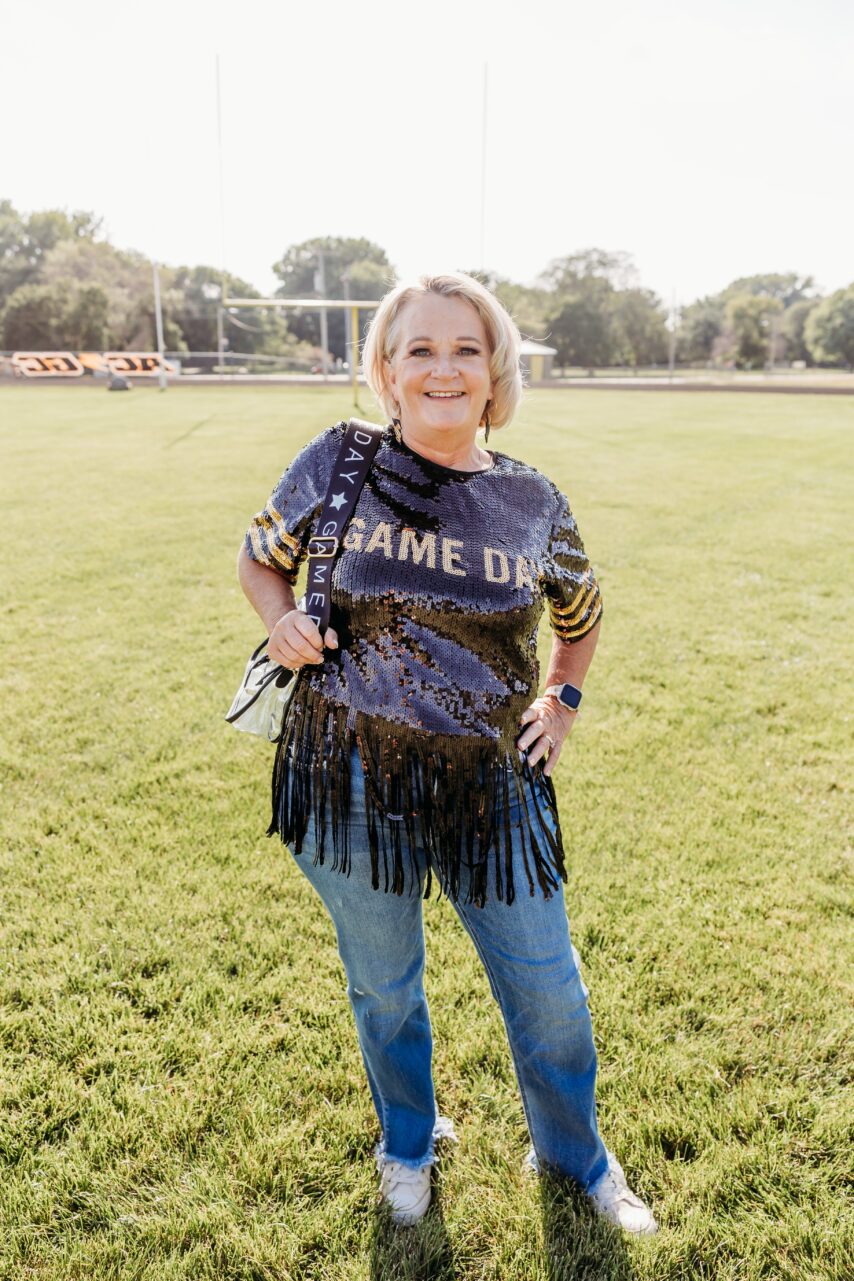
279, 534
572, 592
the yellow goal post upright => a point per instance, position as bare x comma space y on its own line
351, 307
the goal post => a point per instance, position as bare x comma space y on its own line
350, 306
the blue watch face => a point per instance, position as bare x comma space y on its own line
570, 696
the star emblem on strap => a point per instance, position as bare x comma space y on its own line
337, 500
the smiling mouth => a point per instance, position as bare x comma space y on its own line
444, 395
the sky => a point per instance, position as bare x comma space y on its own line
708, 141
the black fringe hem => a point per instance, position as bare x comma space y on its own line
454, 791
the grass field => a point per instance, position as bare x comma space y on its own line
182, 1092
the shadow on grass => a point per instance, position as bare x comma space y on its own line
419, 1253
579, 1245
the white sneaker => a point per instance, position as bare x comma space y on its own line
614, 1200
406, 1191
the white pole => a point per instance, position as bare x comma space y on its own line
220, 335
483, 175
158, 320
220, 338
354, 354
349, 334
221, 182
324, 326
672, 345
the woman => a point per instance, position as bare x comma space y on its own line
401, 756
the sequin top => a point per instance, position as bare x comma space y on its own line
437, 593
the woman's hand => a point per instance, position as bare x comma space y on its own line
549, 723
296, 640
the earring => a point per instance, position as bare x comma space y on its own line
397, 429
484, 422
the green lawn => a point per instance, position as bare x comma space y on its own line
182, 1092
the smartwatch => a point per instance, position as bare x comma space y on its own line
569, 695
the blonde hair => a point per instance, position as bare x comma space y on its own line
501, 331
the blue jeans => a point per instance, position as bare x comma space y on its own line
532, 969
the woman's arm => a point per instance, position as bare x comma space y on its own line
547, 717
294, 637
570, 660
268, 592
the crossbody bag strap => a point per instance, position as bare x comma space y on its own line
360, 444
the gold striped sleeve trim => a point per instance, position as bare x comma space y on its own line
264, 548
563, 634
571, 613
581, 588
279, 526
281, 559
255, 539
282, 556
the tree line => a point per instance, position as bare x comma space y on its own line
64, 286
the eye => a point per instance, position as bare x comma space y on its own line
469, 351
420, 351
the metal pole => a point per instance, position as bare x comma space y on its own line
223, 291
220, 339
351, 333
158, 320
221, 182
354, 353
348, 319
483, 175
672, 341
324, 327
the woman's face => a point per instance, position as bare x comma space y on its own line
439, 374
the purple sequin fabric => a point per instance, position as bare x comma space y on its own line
437, 594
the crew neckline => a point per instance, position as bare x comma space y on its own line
429, 462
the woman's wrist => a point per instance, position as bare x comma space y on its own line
554, 702
272, 619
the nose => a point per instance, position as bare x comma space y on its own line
443, 365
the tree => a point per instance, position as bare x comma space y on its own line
788, 287
368, 272
91, 295
615, 269
599, 314
829, 330
581, 332
25, 241
86, 323
794, 324
57, 316
638, 327
196, 293
33, 318
126, 279
528, 305
749, 325
529, 308
12, 233
700, 324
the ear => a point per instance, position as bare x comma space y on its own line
390, 376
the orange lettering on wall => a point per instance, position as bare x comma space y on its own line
47, 364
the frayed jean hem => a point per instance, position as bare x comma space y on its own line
443, 1129
532, 1163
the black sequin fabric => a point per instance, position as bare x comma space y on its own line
437, 594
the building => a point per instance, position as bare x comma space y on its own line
537, 360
